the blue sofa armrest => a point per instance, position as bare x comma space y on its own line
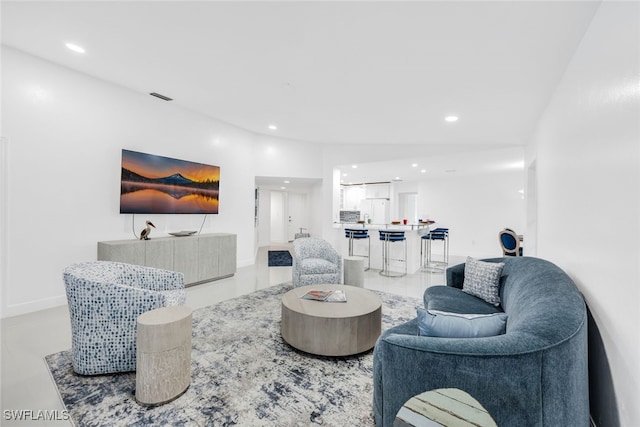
504, 373
455, 276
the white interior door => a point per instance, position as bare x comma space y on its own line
298, 214
277, 223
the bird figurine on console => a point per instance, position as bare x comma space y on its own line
144, 234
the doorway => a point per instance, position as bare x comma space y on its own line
408, 207
297, 213
288, 214
277, 225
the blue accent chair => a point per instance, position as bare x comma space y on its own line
533, 375
105, 299
510, 243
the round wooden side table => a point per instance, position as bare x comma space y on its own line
354, 271
443, 407
163, 355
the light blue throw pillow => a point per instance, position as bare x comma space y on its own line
435, 323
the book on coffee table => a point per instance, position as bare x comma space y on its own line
316, 295
325, 296
337, 296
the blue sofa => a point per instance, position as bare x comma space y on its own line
533, 375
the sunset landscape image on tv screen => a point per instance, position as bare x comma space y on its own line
162, 185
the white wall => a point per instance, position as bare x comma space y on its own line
64, 134
475, 208
264, 217
397, 189
587, 154
317, 204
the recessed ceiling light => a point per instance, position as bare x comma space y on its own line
451, 118
414, 165
273, 127
515, 165
423, 171
354, 166
75, 47
287, 181
283, 188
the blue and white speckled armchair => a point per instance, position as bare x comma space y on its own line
315, 262
105, 299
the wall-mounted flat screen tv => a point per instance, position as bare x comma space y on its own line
153, 184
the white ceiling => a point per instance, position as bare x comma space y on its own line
286, 183
331, 72
464, 163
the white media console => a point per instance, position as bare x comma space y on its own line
201, 258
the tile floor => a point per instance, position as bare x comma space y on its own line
26, 339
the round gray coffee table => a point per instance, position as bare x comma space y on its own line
331, 328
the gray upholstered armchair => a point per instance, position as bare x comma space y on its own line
314, 262
105, 299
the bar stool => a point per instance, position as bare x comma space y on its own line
387, 237
428, 264
358, 234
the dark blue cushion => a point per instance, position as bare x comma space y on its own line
357, 233
434, 236
508, 242
454, 300
391, 235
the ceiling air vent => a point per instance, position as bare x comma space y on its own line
157, 95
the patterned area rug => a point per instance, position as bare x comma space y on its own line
280, 259
243, 374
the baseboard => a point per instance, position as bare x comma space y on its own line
247, 262
33, 306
